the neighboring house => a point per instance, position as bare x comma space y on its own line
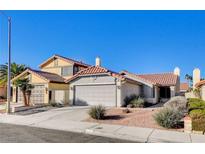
157, 87
184, 87
198, 83
198, 88
49, 85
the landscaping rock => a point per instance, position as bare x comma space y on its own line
178, 102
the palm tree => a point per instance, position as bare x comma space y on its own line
189, 79
16, 69
25, 88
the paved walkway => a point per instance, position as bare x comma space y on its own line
59, 120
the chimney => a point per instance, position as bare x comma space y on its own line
177, 71
97, 61
196, 77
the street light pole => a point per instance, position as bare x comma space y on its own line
9, 68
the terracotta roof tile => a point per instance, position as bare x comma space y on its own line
202, 82
51, 77
184, 86
94, 70
161, 79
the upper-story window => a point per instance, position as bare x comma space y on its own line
66, 71
76, 69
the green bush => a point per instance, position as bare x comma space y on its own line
168, 118
195, 103
197, 113
128, 99
97, 112
137, 102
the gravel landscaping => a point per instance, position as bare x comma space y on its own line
138, 117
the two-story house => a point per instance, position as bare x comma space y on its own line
49, 82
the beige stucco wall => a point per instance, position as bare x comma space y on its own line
59, 88
50, 67
34, 80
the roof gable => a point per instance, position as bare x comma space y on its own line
68, 60
49, 77
95, 70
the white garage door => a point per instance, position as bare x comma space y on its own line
95, 95
37, 95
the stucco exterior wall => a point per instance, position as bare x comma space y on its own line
58, 86
128, 89
50, 67
153, 94
147, 91
59, 89
100, 79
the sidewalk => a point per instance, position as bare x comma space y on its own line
137, 134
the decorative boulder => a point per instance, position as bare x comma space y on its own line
178, 102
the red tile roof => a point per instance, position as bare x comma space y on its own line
184, 86
94, 70
161, 79
202, 82
51, 77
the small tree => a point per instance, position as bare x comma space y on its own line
26, 88
189, 79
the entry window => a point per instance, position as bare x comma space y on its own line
76, 69
66, 71
165, 92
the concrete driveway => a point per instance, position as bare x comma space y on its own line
54, 116
74, 113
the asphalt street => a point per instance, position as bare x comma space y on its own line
24, 134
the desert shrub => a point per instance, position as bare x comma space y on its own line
137, 102
97, 112
195, 103
128, 99
168, 118
178, 103
197, 113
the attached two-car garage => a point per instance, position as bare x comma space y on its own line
95, 94
98, 86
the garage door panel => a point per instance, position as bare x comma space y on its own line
95, 94
37, 95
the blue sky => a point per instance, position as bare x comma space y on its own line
138, 41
